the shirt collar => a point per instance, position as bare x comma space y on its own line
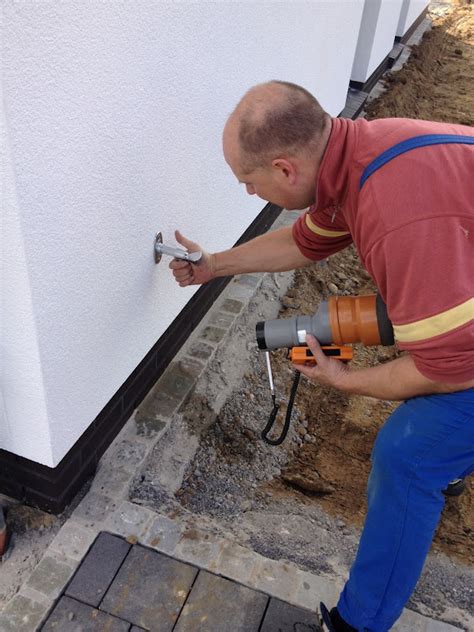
332, 180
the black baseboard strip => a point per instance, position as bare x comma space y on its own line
386, 64
406, 36
354, 103
52, 489
367, 86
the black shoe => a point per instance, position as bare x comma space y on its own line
4, 535
326, 618
333, 620
455, 488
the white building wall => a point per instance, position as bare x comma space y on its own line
114, 114
22, 396
376, 37
411, 10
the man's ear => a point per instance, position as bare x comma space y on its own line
286, 169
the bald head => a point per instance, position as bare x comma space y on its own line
275, 118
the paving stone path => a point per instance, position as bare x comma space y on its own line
120, 587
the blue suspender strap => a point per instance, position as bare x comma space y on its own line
407, 145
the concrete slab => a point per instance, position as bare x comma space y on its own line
92, 579
51, 574
281, 617
70, 615
149, 590
22, 614
217, 604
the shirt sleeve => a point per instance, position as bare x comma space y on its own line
319, 234
425, 276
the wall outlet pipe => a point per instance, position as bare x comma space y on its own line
177, 253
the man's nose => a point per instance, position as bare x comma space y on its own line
250, 189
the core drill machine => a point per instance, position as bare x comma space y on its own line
337, 323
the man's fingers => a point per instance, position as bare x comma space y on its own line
312, 370
304, 369
186, 283
315, 347
181, 269
184, 278
190, 246
179, 264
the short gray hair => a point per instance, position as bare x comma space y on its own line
289, 121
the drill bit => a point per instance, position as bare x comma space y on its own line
270, 374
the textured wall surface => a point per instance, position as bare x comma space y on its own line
114, 114
23, 418
380, 19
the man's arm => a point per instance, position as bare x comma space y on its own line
272, 252
395, 380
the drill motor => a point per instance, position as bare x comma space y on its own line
339, 321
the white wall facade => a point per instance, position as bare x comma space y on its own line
380, 19
113, 119
411, 10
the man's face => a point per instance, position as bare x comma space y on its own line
268, 182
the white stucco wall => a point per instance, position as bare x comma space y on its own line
376, 37
411, 10
22, 396
114, 114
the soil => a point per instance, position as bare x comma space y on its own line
305, 500
436, 83
30, 531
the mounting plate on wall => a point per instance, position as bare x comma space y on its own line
156, 248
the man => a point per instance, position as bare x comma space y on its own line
411, 216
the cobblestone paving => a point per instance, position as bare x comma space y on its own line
123, 587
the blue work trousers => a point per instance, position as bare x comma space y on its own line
426, 443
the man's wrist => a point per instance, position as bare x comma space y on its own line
346, 380
212, 265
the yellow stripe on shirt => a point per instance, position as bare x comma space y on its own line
322, 231
435, 325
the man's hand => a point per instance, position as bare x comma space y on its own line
187, 273
326, 370
395, 380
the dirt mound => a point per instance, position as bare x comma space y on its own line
436, 83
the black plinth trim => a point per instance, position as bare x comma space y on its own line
390, 59
52, 489
374, 77
355, 102
406, 36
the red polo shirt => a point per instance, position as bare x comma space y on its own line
413, 226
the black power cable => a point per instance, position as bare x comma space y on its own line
274, 413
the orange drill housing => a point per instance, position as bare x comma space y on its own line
354, 319
304, 355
